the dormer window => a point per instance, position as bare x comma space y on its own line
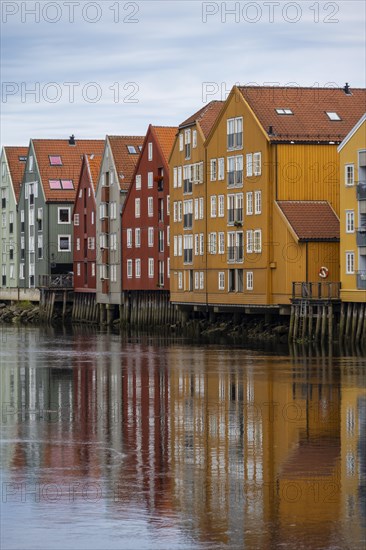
333, 115
284, 112
131, 150
55, 160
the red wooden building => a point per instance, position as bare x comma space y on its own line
84, 216
145, 216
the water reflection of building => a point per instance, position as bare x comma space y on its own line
231, 447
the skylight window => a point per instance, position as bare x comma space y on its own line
61, 184
333, 116
22, 159
284, 112
131, 149
55, 160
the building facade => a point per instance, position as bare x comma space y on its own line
45, 207
120, 157
12, 168
352, 153
146, 214
84, 216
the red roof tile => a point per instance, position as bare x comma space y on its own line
311, 220
124, 161
165, 135
94, 163
205, 117
309, 121
71, 156
16, 167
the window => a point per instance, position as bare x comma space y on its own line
63, 215
150, 207
103, 272
221, 242
350, 263
188, 249
350, 221
235, 171
168, 235
113, 271
113, 210
3, 196
187, 179
180, 280
239, 246
257, 237
179, 211
221, 171
61, 184
249, 158
161, 240
103, 241
150, 180
11, 222
257, 164
129, 269
249, 241
231, 246
78, 243
349, 175
21, 271
137, 237
3, 220
55, 160
129, 237
31, 216
202, 280
249, 280
187, 144
196, 245
333, 116
76, 219
201, 208
180, 245
22, 248
150, 236
92, 217
175, 177
93, 269
149, 151
103, 210
181, 141
213, 169
113, 241
64, 243
284, 112
168, 205
235, 133
221, 280
160, 210
249, 204
91, 243
161, 273
30, 163
196, 280
212, 243
202, 244
194, 139
137, 208
257, 202
188, 214
151, 267
179, 176
213, 206
21, 221
40, 247
221, 206
137, 268
138, 181
131, 149
78, 269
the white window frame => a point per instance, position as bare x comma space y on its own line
137, 207
138, 268
257, 242
257, 202
221, 206
350, 263
221, 169
221, 280
150, 151
138, 182
250, 280
137, 237
349, 175
76, 219
129, 269
249, 164
59, 237
150, 237
221, 242
151, 268
150, 180
68, 213
150, 207
129, 237
213, 203
213, 169
350, 221
257, 163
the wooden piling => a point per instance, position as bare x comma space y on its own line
342, 321
348, 321
360, 322
296, 322
354, 321
324, 323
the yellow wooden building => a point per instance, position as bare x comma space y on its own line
352, 152
272, 196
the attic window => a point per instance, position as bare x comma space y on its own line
22, 159
284, 112
55, 160
61, 184
333, 116
131, 149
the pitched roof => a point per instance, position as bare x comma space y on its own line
311, 220
165, 136
94, 163
206, 116
309, 121
16, 166
352, 133
71, 158
124, 161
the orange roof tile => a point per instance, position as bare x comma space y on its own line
206, 116
16, 167
94, 163
165, 136
125, 162
309, 121
311, 220
71, 157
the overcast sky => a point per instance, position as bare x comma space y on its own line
109, 67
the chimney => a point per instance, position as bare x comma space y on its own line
346, 89
72, 140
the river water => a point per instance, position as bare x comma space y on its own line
116, 442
